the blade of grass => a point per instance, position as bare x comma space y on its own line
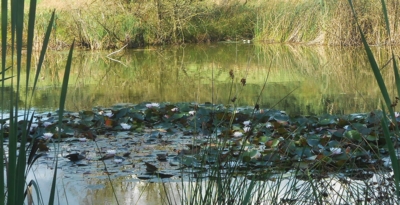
4, 25
385, 14
29, 44
43, 50
392, 153
16, 177
384, 92
63, 97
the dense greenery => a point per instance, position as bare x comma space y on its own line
113, 24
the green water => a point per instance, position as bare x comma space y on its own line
299, 79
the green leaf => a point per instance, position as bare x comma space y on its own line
353, 135
371, 138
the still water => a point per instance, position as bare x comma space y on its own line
299, 79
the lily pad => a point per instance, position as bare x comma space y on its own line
353, 135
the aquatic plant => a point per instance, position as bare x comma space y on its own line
18, 144
386, 122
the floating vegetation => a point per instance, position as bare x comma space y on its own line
167, 140
216, 145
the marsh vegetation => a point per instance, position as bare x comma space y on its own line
233, 148
107, 25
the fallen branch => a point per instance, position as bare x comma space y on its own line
117, 51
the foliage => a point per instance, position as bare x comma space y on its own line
105, 25
18, 144
114, 24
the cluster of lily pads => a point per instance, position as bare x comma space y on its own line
246, 138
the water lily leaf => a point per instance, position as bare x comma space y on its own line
251, 153
313, 142
174, 161
164, 175
281, 117
338, 133
110, 123
340, 163
326, 121
342, 122
145, 176
339, 157
184, 107
375, 117
371, 138
150, 168
281, 131
177, 116
164, 125
324, 140
301, 142
136, 116
356, 117
42, 146
120, 113
303, 152
263, 139
107, 156
333, 143
246, 158
353, 135
260, 177
272, 143
189, 161
364, 130
75, 157
86, 115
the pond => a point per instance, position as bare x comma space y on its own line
299, 79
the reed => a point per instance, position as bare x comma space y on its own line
16, 117
324, 22
388, 104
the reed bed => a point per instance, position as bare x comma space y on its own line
109, 25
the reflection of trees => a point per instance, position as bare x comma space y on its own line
7, 92
176, 74
132, 192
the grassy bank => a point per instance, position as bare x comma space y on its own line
107, 25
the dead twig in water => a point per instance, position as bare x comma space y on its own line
117, 51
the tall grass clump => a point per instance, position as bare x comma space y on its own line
19, 146
324, 22
388, 104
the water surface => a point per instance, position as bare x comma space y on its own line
299, 79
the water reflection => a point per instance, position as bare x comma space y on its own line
333, 189
301, 80
306, 80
